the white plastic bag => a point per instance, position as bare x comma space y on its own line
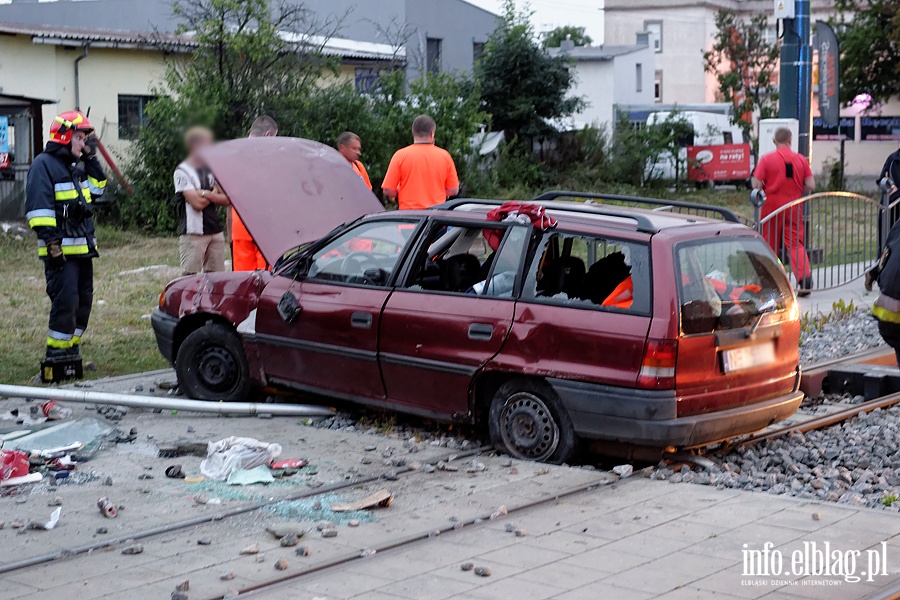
231, 453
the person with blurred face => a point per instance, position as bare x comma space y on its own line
350, 147
201, 243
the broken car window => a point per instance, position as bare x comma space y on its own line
364, 255
465, 260
591, 272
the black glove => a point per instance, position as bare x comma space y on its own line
90, 146
55, 257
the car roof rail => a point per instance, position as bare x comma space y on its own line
642, 222
726, 214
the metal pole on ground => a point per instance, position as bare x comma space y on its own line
136, 401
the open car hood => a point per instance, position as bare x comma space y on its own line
288, 191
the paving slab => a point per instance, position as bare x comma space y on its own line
677, 556
634, 538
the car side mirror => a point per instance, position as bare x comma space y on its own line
302, 268
288, 307
376, 276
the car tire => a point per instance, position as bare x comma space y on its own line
211, 365
527, 421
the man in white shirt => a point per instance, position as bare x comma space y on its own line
201, 242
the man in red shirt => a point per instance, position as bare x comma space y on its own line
350, 147
245, 256
421, 175
785, 176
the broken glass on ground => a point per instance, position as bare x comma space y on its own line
85, 435
260, 474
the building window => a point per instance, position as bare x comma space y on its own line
657, 87
132, 115
477, 51
638, 77
433, 54
770, 35
366, 79
654, 28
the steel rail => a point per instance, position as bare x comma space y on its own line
819, 422
218, 516
412, 539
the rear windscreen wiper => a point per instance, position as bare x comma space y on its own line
769, 306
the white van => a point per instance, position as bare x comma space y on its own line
710, 129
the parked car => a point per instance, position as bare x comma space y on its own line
448, 314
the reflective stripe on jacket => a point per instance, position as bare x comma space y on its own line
58, 198
886, 309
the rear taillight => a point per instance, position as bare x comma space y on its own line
658, 365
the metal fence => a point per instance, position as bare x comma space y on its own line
12, 192
826, 240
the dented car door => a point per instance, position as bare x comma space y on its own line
319, 331
438, 331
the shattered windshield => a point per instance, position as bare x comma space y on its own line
728, 284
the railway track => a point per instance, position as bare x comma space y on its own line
257, 589
830, 413
827, 413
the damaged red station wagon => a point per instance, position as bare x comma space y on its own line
627, 326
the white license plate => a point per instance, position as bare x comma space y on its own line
748, 357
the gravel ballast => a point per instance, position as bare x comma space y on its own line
846, 334
856, 462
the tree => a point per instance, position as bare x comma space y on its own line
523, 87
555, 37
640, 154
250, 57
869, 33
745, 66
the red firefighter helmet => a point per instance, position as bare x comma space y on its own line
66, 124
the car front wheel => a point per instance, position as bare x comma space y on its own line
528, 422
211, 365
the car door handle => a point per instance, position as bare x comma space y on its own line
363, 320
481, 332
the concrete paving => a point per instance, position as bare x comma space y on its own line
633, 538
821, 302
636, 539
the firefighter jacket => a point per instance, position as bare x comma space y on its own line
58, 200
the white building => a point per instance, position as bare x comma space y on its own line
550, 14
607, 76
682, 30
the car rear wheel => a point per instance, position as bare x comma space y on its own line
211, 365
528, 422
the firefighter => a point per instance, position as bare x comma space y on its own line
887, 306
58, 204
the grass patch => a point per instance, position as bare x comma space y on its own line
117, 339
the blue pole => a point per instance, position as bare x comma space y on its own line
804, 76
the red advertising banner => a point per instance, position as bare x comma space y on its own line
725, 162
4, 160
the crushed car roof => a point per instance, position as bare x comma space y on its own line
288, 191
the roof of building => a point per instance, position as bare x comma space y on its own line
587, 53
114, 38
